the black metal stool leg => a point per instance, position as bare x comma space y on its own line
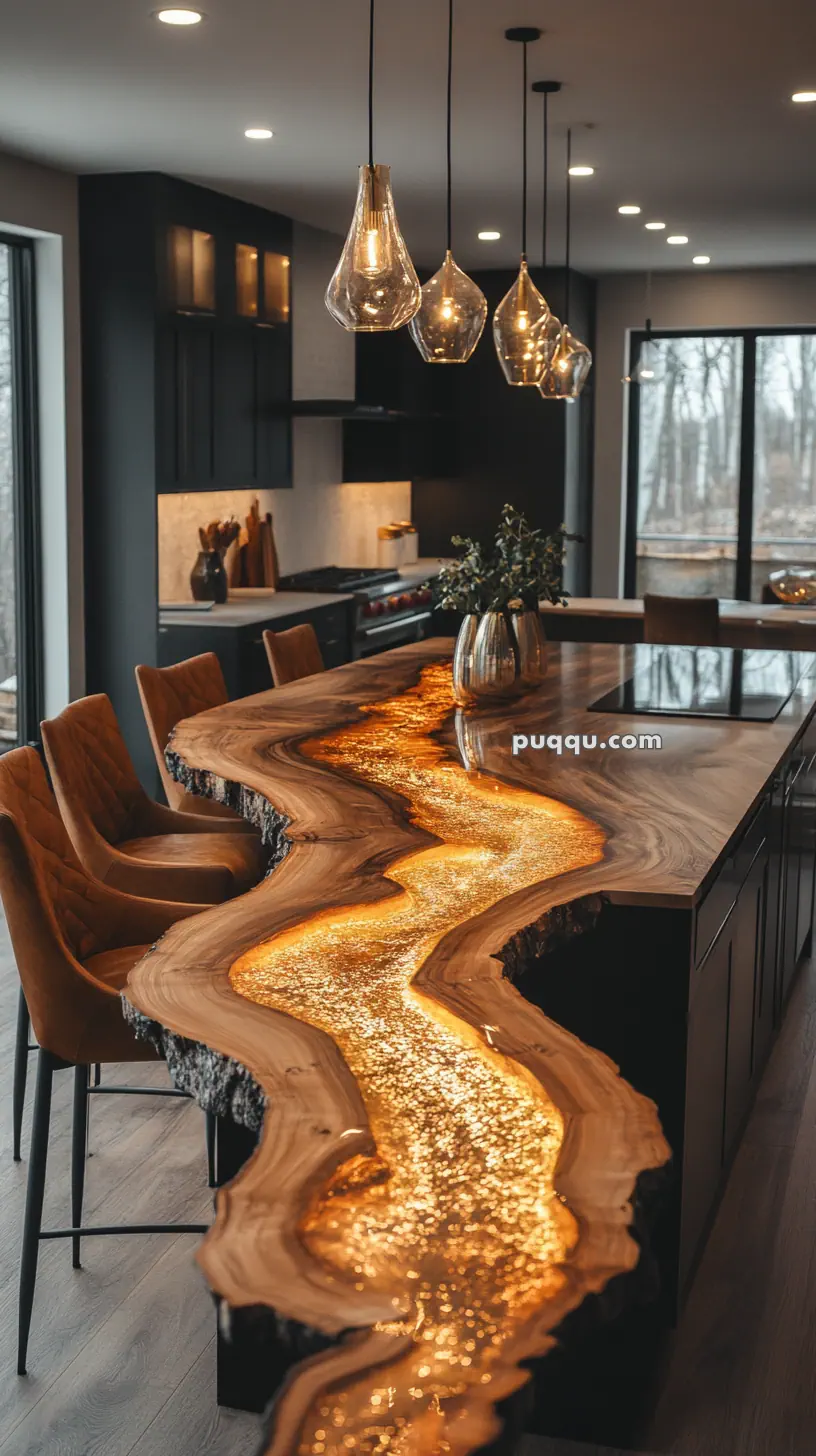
78, 1150
212, 1124
34, 1201
20, 1071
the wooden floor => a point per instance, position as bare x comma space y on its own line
122, 1355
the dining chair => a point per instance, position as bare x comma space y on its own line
74, 941
681, 621
170, 694
125, 838
293, 654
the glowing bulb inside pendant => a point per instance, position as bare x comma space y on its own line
447, 308
373, 250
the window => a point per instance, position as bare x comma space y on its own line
20, 629
722, 462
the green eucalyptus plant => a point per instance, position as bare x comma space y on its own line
467, 584
525, 565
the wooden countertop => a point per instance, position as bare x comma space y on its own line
408, 1084
772, 614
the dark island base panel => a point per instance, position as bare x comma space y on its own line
598, 1383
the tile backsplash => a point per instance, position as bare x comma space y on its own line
315, 525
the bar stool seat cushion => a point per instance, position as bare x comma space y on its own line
240, 855
112, 967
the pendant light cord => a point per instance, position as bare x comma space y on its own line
524, 158
546, 179
371, 85
450, 110
648, 306
569, 228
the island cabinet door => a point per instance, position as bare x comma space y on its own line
791, 880
767, 971
746, 967
707, 1051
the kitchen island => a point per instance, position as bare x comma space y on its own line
443, 1167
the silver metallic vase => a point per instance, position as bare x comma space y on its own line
532, 647
462, 660
494, 669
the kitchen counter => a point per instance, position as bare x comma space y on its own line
742, 624
365, 995
247, 612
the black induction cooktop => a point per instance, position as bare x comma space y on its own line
707, 682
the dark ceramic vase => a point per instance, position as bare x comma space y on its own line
208, 579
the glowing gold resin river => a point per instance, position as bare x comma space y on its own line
457, 1215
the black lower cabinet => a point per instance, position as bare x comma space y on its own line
241, 651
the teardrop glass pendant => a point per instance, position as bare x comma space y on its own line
568, 369
374, 287
520, 330
451, 316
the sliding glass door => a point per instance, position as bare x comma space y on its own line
722, 462
20, 634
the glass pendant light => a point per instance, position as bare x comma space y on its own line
520, 321
553, 325
453, 310
568, 369
374, 287
650, 367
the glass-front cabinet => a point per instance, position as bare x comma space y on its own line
261, 284
224, 364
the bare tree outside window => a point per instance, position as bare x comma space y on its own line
785, 456
688, 476
8, 614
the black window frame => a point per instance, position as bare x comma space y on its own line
26, 486
745, 487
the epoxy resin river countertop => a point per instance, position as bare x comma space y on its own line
442, 1168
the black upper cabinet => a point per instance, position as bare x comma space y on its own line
181, 391
217, 274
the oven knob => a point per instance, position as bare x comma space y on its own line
368, 609
393, 604
406, 600
425, 595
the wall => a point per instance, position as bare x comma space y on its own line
319, 522
762, 298
42, 203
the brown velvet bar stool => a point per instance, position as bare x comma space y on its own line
170, 694
293, 654
123, 837
74, 941
681, 621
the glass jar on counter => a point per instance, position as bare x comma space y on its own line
410, 542
389, 546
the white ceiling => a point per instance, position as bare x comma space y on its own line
682, 107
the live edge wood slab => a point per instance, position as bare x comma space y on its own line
443, 1172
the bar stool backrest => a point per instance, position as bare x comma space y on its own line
293, 654
170, 694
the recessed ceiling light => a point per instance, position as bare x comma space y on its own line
179, 17
629, 209
655, 227
803, 96
489, 237
258, 133
701, 260
677, 240
582, 171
